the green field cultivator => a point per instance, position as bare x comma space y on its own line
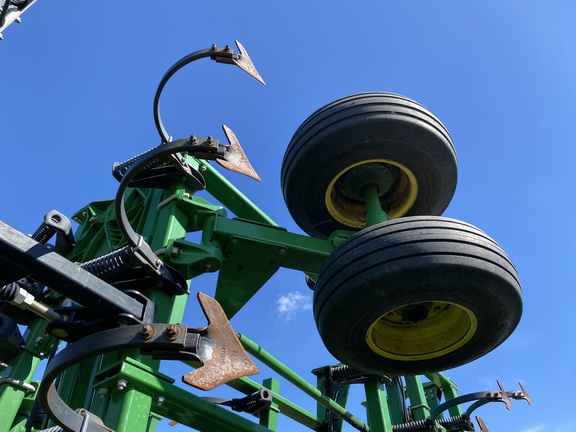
400, 293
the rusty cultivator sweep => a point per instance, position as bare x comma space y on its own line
400, 293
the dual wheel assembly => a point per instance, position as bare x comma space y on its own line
410, 292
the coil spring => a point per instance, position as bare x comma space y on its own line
53, 429
457, 423
344, 372
110, 266
461, 422
44, 233
119, 169
8, 292
415, 426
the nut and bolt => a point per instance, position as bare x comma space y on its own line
147, 331
121, 384
102, 392
175, 251
160, 400
193, 139
171, 332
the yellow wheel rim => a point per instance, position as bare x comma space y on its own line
396, 202
421, 331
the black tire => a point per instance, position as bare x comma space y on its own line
416, 295
367, 131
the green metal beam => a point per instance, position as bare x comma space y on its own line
269, 419
230, 196
177, 403
300, 382
377, 407
254, 252
418, 404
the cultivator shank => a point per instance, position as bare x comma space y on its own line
114, 292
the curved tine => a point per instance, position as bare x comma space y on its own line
223, 55
175, 68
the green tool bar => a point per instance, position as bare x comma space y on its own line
449, 388
300, 382
230, 196
167, 400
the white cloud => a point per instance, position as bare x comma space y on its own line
289, 303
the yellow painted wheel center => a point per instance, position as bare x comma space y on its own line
345, 206
421, 331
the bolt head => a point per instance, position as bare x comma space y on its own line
121, 384
146, 331
171, 332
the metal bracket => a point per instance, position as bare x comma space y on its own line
216, 347
21, 256
56, 223
255, 403
163, 152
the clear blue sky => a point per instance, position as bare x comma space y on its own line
78, 79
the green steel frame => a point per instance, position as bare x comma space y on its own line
128, 392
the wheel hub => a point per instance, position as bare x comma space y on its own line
421, 331
376, 175
395, 184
